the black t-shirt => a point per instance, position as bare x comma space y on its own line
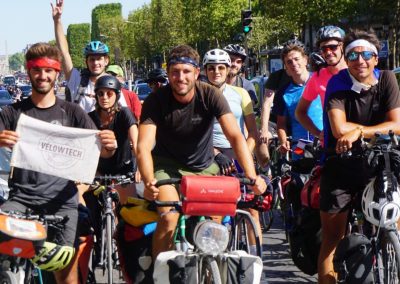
184, 131
30, 187
120, 125
278, 80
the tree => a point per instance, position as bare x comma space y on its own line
16, 61
78, 35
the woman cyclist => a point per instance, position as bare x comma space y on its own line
217, 63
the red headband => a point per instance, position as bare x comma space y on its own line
44, 62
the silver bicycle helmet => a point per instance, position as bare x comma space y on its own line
216, 56
329, 32
236, 49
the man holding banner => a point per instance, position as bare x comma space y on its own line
44, 183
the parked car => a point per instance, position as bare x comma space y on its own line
5, 98
259, 85
26, 91
142, 90
5, 157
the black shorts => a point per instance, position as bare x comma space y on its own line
341, 181
66, 237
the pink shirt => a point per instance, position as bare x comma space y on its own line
316, 86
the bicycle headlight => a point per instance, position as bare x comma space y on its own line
211, 237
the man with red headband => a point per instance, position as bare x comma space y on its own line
42, 193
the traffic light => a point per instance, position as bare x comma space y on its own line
246, 21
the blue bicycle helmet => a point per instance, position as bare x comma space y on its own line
95, 47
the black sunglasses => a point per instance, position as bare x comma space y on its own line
354, 55
331, 47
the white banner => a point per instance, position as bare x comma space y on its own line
66, 152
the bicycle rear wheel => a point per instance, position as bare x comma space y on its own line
389, 258
210, 272
242, 226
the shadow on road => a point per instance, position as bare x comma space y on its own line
278, 265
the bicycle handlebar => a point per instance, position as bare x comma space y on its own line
50, 219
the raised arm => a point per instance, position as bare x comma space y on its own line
60, 38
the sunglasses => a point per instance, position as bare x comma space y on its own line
212, 68
354, 55
329, 47
101, 94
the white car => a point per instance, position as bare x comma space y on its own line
5, 157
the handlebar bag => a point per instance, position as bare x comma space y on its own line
20, 238
136, 213
310, 191
210, 195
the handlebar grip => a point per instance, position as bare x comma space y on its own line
168, 181
99, 190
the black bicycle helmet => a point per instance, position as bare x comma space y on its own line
329, 32
236, 49
317, 61
157, 75
109, 82
95, 47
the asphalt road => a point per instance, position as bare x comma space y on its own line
278, 265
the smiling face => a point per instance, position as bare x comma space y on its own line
97, 64
236, 64
360, 68
42, 79
182, 78
331, 51
295, 63
216, 74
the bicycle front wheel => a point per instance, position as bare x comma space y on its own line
389, 258
242, 228
209, 273
109, 251
266, 219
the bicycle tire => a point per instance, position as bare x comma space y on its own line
240, 232
389, 258
209, 273
7, 277
109, 250
266, 219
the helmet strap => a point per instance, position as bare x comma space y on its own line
340, 59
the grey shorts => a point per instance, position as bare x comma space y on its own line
67, 236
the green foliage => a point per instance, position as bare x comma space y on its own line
78, 35
102, 12
16, 60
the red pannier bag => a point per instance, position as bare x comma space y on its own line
210, 195
310, 191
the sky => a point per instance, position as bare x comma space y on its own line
24, 22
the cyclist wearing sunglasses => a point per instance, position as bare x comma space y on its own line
330, 45
360, 101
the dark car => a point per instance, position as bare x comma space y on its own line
5, 98
142, 90
26, 90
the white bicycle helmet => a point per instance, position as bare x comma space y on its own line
217, 56
380, 211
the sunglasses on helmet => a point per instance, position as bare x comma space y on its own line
354, 55
329, 47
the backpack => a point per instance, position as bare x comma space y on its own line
310, 191
70, 97
305, 240
353, 260
134, 254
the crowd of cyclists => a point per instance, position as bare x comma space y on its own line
199, 120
